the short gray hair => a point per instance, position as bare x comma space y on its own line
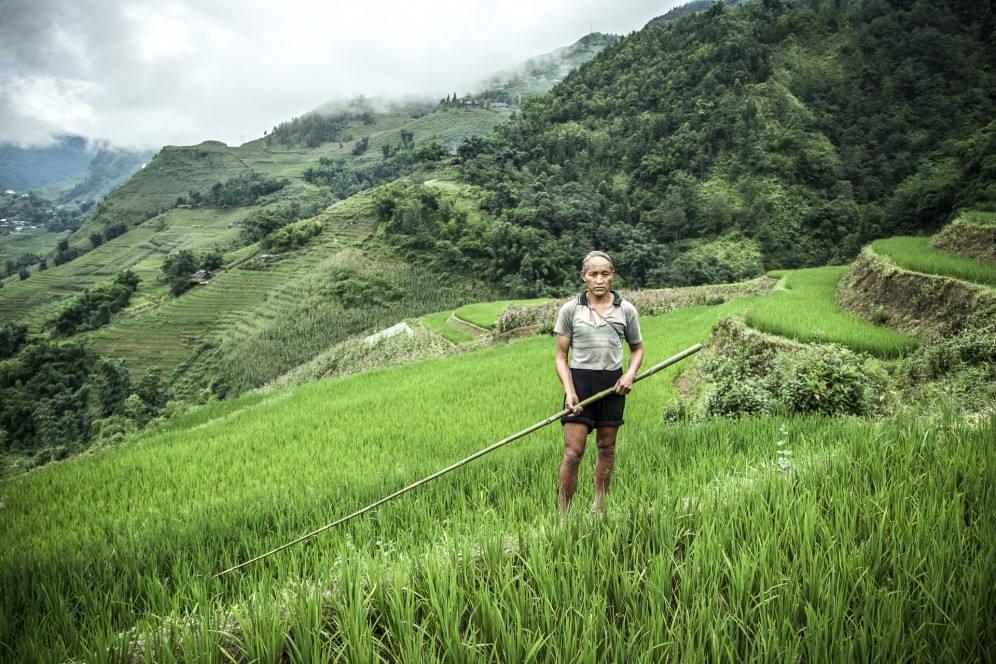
595, 254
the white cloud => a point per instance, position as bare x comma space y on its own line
44, 105
163, 32
149, 72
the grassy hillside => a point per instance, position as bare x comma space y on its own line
157, 331
248, 325
755, 539
142, 250
36, 299
176, 171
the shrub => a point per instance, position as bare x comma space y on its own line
675, 410
293, 236
113, 430
734, 391
828, 379
749, 373
358, 291
12, 337
95, 307
973, 347
733, 398
174, 408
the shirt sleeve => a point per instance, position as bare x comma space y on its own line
633, 335
565, 321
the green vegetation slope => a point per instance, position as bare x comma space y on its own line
788, 535
799, 132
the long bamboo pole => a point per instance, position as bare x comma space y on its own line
539, 425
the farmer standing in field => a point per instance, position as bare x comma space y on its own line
591, 327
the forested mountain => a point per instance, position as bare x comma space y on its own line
762, 135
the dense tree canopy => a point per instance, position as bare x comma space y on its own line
95, 307
806, 130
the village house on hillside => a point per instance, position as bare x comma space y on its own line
202, 276
15, 225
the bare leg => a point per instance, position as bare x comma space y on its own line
605, 438
575, 439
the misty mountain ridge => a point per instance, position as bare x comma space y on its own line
540, 73
536, 75
72, 169
75, 168
28, 167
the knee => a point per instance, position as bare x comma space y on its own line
607, 452
606, 449
572, 456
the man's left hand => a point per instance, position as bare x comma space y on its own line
624, 385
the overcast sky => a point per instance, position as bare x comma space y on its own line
147, 73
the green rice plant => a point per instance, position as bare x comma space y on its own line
916, 254
873, 543
262, 633
807, 311
437, 323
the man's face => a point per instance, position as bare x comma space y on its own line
598, 276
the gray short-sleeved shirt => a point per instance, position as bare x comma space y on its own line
596, 341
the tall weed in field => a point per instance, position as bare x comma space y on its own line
829, 379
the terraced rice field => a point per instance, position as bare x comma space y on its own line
164, 336
916, 254
61, 282
30, 240
232, 304
806, 310
142, 250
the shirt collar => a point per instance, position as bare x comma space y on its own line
583, 298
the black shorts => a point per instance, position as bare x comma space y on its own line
607, 411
